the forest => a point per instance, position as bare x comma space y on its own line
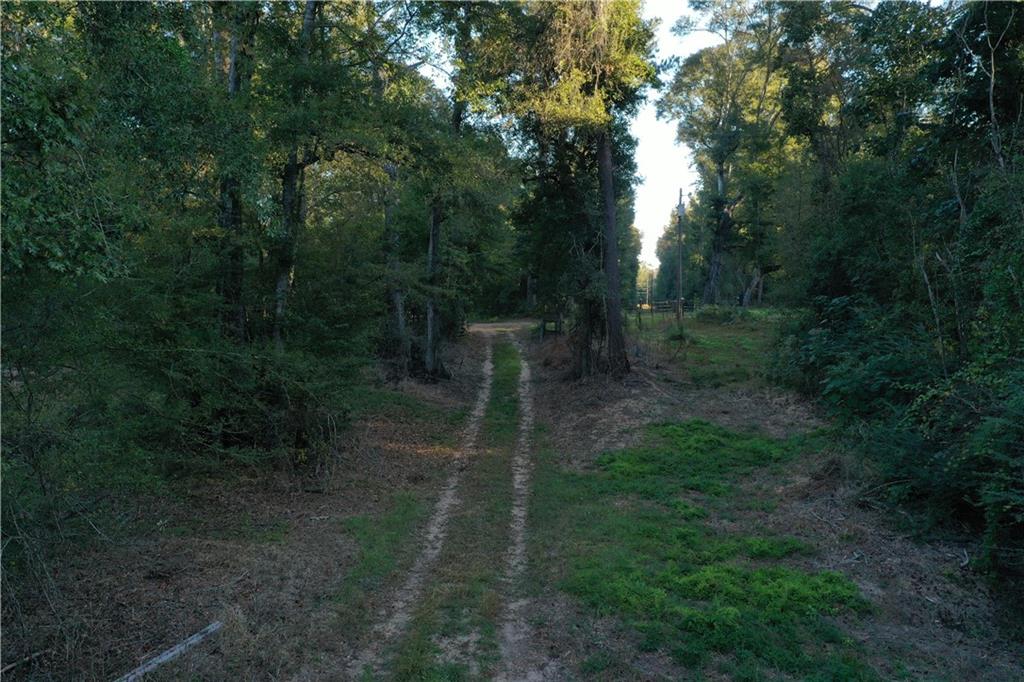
858, 167
268, 262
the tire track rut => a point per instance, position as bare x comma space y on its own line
519, 661
395, 618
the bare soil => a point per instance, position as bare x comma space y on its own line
934, 617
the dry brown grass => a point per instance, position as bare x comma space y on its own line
265, 555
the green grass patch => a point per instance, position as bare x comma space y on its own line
634, 539
712, 353
383, 541
501, 420
417, 658
695, 456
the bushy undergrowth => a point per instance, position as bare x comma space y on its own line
115, 392
944, 433
722, 314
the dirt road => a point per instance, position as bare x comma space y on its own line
394, 620
396, 617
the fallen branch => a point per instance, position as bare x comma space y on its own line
11, 666
171, 653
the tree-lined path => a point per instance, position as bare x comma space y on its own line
328, 351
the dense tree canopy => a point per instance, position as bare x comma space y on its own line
205, 204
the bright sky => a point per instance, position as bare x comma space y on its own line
664, 165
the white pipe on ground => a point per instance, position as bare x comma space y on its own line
172, 653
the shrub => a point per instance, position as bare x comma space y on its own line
856, 356
949, 442
720, 314
682, 335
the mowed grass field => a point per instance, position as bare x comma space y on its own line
713, 347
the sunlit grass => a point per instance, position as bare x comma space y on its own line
710, 352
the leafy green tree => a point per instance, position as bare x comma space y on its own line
572, 73
867, 157
204, 205
725, 99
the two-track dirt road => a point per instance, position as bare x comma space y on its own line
394, 620
469, 534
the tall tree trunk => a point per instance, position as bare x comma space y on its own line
582, 341
715, 266
230, 284
232, 259
431, 352
431, 358
293, 200
292, 209
679, 260
826, 160
751, 290
398, 346
398, 337
719, 240
994, 135
618, 362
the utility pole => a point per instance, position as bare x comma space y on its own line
650, 294
679, 249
